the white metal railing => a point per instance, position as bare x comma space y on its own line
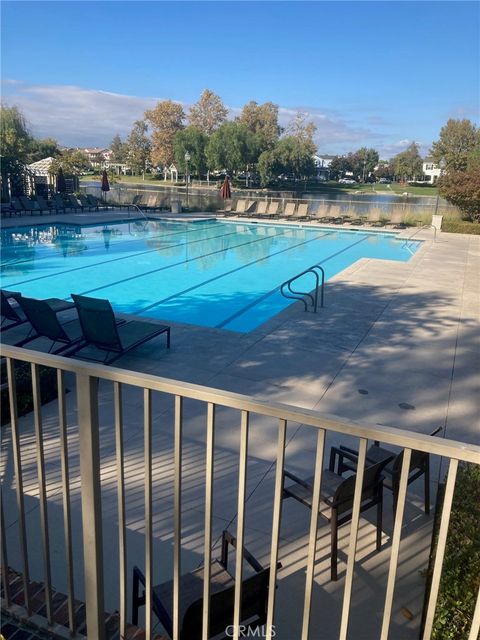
85, 378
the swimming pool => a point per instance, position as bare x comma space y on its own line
211, 273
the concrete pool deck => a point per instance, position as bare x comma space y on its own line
396, 343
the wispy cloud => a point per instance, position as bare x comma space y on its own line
76, 116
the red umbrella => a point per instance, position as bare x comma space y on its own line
225, 191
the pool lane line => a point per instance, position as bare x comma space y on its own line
226, 273
180, 262
269, 293
168, 235
135, 255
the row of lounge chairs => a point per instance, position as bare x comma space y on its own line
327, 214
20, 205
96, 325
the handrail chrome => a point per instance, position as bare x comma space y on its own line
139, 210
301, 295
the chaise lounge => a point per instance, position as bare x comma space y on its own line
101, 330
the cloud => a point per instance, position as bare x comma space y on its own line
76, 116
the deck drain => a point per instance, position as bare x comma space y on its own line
406, 406
363, 392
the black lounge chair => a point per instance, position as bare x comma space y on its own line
100, 328
336, 500
419, 466
31, 205
15, 315
44, 204
74, 203
97, 203
85, 203
254, 597
58, 203
43, 318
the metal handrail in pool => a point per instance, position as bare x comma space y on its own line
301, 295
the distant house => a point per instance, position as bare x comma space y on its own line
431, 171
322, 162
97, 155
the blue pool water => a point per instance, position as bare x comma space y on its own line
211, 273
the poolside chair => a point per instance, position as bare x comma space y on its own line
336, 501
58, 202
85, 202
43, 204
301, 212
42, 315
321, 214
254, 596
96, 202
74, 203
374, 219
13, 313
101, 329
289, 210
419, 466
396, 220
30, 205
260, 210
17, 206
272, 211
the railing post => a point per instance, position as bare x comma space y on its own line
87, 403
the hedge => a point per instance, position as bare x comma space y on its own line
461, 568
460, 226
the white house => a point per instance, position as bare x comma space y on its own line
431, 171
322, 162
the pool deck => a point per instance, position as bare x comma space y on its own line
396, 343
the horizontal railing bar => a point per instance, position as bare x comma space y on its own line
388, 435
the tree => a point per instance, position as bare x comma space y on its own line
408, 163
208, 113
364, 162
339, 166
166, 120
194, 141
15, 144
40, 149
462, 188
119, 150
262, 120
138, 147
73, 162
232, 146
384, 170
300, 128
291, 155
458, 140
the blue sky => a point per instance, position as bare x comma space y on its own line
379, 74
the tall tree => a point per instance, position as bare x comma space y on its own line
194, 141
291, 155
299, 127
73, 162
208, 113
262, 120
232, 146
339, 166
166, 119
15, 144
458, 140
364, 162
40, 149
118, 149
138, 147
408, 163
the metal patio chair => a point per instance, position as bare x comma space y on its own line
42, 315
222, 590
102, 330
419, 466
15, 314
336, 501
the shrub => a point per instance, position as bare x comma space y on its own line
462, 188
460, 226
461, 568
23, 381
